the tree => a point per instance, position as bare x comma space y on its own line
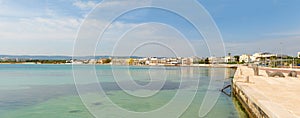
206, 61
237, 58
130, 61
107, 61
201, 62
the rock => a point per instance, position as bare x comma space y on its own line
74, 111
293, 74
97, 103
274, 74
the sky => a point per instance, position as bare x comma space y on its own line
50, 27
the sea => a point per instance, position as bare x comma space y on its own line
105, 91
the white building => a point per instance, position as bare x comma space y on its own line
216, 60
153, 61
245, 58
92, 61
173, 61
119, 61
229, 59
186, 61
195, 59
298, 54
260, 56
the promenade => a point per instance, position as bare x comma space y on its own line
265, 96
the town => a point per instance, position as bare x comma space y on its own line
263, 59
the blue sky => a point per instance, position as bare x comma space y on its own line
49, 27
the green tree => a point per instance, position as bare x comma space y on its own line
237, 58
107, 61
206, 61
130, 61
201, 62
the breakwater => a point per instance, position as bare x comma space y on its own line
267, 97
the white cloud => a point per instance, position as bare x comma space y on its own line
146, 33
38, 36
288, 45
29, 32
85, 5
39, 29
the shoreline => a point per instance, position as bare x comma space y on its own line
194, 65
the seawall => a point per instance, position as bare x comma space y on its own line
267, 97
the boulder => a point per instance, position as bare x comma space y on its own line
292, 74
274, 74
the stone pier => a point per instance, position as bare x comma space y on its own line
267, 97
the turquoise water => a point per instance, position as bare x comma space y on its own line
47, 91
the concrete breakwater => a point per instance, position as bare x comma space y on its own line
267, 97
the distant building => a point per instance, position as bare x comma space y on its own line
228, 59
262, 56
245, 58
186, 61
298, 54
92, 61
195, 60
173, 61
216, 60
4, 58
119, 61
153, 61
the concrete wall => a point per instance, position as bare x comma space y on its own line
251, 108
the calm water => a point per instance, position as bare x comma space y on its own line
48, 91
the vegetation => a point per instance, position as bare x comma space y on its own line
201, 62
130, 61
237, 58
106, 61
297, 61
232, 63
35, 61
206, 61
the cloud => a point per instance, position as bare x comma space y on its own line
287, 45
53, 30
39, 29
85, 5
52, 36
122, 38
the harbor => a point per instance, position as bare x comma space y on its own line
267, 97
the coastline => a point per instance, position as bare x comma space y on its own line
193, 65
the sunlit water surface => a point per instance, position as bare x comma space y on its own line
48, 91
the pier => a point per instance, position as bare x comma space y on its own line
267, 97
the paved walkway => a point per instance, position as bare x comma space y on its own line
277, 97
